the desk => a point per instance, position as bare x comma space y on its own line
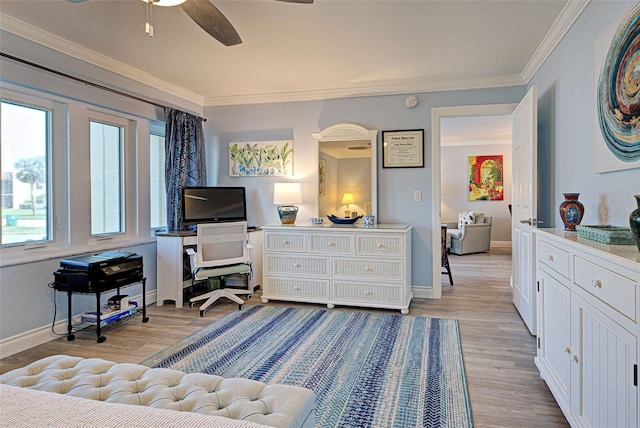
174, 271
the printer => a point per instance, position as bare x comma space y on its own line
98, 272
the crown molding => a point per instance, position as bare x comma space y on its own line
560, 27
383, 89
74, 50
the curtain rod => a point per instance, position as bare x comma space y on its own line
86, 82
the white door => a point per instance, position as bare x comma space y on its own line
524, 150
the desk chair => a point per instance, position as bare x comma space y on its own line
445, 253
221, 250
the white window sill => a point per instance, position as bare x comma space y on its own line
18, 257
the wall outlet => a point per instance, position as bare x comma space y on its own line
417, 195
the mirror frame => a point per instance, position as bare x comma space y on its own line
353, 132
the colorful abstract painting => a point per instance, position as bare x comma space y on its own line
618, 96
486, 178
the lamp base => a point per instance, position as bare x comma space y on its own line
287, 213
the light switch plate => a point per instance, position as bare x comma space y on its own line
417, 195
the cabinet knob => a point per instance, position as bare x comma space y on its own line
575, 358
368, 269
297, 265
380, 246
567, 349
596, 283
332, 244
296, 288
285, 242
368, 293
550, 257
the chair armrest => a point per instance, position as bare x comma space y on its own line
190, 252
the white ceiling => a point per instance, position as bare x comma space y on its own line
332, 48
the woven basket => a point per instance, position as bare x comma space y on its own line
607, 233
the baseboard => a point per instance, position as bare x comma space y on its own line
422, 292
500, 244
38, 336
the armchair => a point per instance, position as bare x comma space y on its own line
470, 238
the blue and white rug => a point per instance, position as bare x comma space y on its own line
366, 369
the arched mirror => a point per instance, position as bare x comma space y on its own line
348, 174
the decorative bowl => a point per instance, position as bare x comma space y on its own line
341, 220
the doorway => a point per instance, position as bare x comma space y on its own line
438, 116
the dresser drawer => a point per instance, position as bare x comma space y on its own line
379, 268
554, 257
335, 243
285, 241
615, 290
383, 245
289, 264
305, 288
350, 291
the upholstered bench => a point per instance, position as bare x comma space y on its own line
134, 384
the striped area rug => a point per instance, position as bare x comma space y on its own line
366, 369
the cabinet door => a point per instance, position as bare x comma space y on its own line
603, 356
554, 332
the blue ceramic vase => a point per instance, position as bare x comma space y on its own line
571, 211
634, 222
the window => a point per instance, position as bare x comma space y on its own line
157, 175
107, 178
25, 146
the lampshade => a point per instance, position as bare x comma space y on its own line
347, 199
287, 193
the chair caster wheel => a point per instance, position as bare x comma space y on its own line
202, 313
191, 304
249, 296
241, 306
71, 338
101, 339
145, 319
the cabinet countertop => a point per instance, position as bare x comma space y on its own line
626, 254
390, 227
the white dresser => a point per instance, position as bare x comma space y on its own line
588, 310
338, 265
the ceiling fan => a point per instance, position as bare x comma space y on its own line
206, 15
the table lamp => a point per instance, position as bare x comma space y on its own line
347, 199
285, 195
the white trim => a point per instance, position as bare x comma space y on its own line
422, 292
560, 27
38, 336
500, 244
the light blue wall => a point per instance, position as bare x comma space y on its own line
299, 120
567, 126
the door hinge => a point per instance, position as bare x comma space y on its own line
538, 342
635, 375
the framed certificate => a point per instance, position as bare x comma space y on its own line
403, 149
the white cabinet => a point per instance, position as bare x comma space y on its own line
333, 265
588, 308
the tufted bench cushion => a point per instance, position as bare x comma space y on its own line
134, 384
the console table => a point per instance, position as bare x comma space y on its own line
174, 271
349, 265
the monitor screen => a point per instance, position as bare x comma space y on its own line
213, 204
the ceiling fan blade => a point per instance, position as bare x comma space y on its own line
299, 1
211, 20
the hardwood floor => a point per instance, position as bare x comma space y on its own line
504, 384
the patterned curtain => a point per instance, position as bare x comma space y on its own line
185, 160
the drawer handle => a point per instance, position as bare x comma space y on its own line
575, 358
368, 269
380, 246
285, 242
567, 349
550, 257
332, 244
596, 283
368, 293
296, 288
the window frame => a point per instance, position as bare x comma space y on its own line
57, 176
157, 129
